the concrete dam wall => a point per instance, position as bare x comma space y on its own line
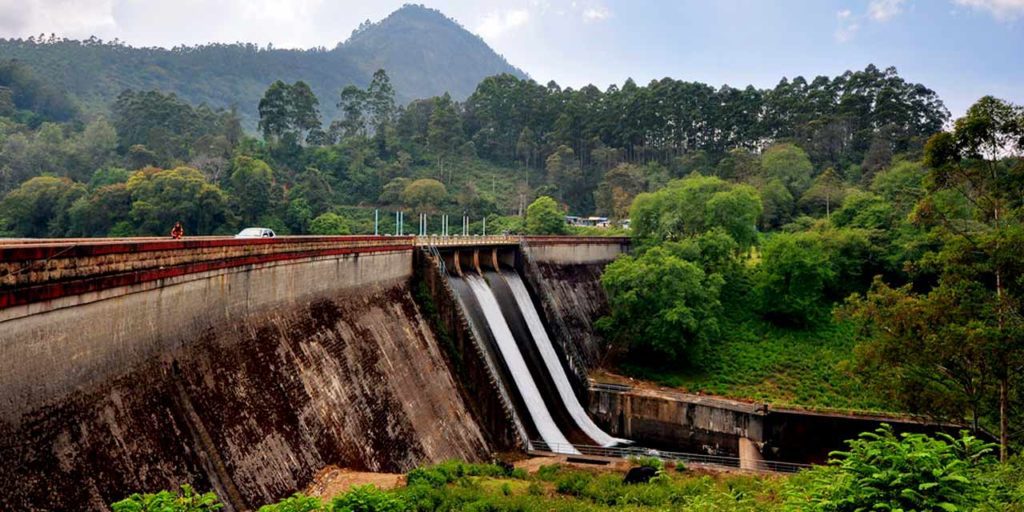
238, 366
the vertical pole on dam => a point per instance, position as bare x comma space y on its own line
376, 222
485, 226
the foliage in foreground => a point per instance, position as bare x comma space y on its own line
880, 471
883, 471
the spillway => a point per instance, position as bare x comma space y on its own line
553, 365
528, 390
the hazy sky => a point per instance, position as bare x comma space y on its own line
961, 48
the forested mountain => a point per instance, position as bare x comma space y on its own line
425, 53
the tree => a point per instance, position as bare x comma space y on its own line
564, 174
978, 164
618, 188
353, 111
303, 112
252, 187
827, 191
444, 131
790, 165
664, 308
792, 277
97, 213
777, 205
161, 197
380, 98
736, 211
38, 207
275, 118
289, 112
693, 205
392, 191
425, 195
330, 224
543, 217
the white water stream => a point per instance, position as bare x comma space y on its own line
554, 366
539, 413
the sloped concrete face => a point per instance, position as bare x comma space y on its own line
245, 382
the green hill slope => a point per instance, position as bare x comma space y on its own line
424, 53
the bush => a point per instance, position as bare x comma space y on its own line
296, 503
185, 500
368, 498
450, 471
573, 484
882, 471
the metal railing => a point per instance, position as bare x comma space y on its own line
456, 240
626, 452
608, 386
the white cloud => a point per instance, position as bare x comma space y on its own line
883, 10
72, 18
848, 26
1003, 10
598, 13
496, 24
846, 32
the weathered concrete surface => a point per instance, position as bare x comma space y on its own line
246, 380
576, 250
677, 421
48, 349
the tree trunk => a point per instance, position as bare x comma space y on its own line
1004, 436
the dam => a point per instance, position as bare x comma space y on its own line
246, 366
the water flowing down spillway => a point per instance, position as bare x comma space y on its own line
553, 365
528, 390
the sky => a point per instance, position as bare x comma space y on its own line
963, 49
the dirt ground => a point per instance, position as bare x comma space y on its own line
332, 481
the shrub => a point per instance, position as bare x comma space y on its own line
549, 472
185, 500
447, 472
296, 503
910, 472
573, 484
368, 498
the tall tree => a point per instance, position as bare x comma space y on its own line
966, 335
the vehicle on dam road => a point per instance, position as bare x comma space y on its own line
256, 233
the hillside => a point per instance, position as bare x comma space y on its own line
424, 53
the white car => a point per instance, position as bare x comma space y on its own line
256, 233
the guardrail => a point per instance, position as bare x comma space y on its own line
607, 386
456, 240
767, 466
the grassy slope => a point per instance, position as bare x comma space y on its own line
760, 362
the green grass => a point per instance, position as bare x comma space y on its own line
563, 488
809, 368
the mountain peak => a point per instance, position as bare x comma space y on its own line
421, 45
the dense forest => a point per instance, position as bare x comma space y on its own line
512, 140
425, 53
